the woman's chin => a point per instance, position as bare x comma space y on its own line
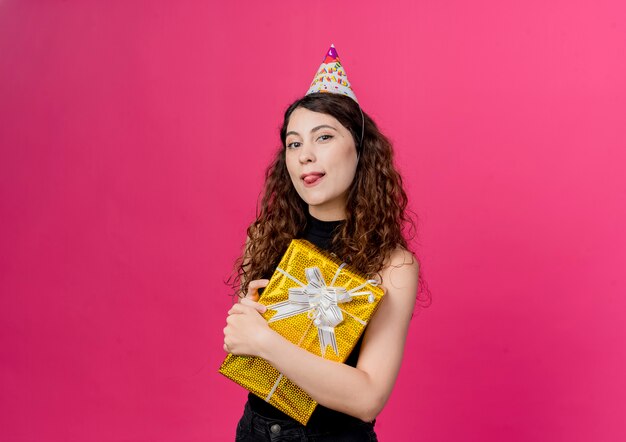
314, 202
321, 200
312, 198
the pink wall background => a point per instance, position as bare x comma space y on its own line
134, 136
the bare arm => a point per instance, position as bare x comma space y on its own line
362, 391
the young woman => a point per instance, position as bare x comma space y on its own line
333, 183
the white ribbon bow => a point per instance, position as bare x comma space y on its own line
321, 302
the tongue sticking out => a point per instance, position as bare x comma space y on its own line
310, 179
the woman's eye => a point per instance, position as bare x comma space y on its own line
325, 137
293, 145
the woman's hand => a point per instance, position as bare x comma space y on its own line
246, 329
253, 288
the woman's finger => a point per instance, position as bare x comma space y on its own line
242, 308
237, 308
254, 286
259, 307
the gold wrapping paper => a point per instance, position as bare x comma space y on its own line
256, 374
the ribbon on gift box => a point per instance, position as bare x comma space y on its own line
321, 303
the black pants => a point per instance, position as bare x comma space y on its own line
254, 427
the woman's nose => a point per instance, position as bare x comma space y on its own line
306, 153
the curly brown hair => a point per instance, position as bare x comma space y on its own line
377, 219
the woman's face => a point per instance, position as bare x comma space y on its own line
321, 159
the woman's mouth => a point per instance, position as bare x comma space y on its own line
312, 179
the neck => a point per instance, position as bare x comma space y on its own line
337, 213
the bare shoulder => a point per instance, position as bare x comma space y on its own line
401, 270
401, 257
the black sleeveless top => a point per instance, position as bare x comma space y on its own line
319, 233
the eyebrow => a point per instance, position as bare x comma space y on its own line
316, 128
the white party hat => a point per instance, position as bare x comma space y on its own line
331, 76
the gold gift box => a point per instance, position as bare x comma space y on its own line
309, 288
